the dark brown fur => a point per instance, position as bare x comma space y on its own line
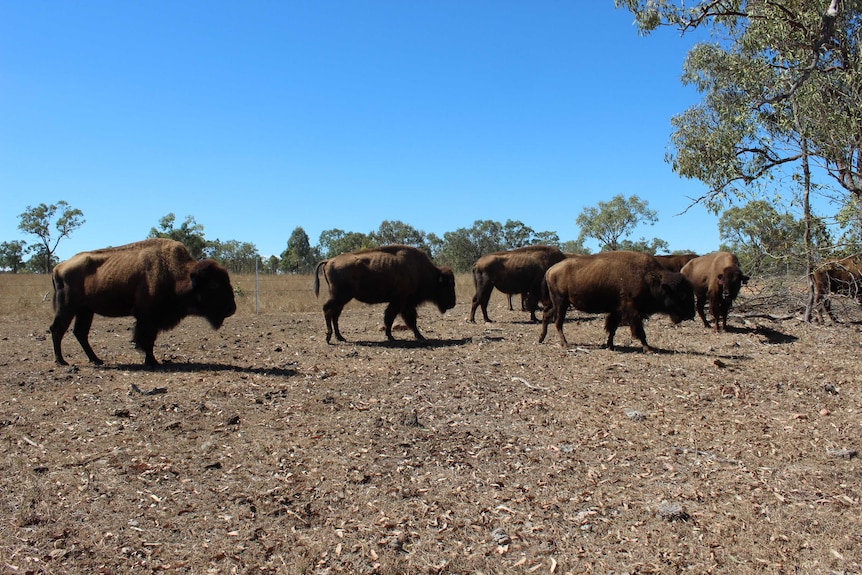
156, 281
515, 271
674, 262
401, 276
716, 279
843, 276
628, 286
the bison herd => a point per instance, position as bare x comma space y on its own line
158, 282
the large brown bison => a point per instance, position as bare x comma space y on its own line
674, 262
515, 271
843, 276
401, 276
157, 281
716, 279
628, 286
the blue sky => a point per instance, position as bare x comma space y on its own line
257, 117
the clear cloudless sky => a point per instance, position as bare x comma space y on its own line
257, 117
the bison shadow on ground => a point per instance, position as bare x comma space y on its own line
412, 343
773, 336
196, 366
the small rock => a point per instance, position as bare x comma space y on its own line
842, 453
412, 419
672, 512
500, 536
830, 389
635, 415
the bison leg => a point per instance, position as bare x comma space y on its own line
332, 311
145, 340
530, 303
701, 305
409, 316
547, 316
715, 310
637, 329
389, 315
83, 321
612, 322
481, 298
509, 299
560, 308
58, 329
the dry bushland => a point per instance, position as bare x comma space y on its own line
261, 449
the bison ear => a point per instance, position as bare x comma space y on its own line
745, 279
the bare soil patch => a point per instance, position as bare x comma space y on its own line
261, 449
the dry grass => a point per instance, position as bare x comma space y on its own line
269, 451
22, 295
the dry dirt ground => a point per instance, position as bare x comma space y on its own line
261, 449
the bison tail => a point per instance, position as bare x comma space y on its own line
57, 282
317, 278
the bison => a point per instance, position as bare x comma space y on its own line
674, 262
628, 286
514, 271
157, 281
716, 278
401, 276
843, 276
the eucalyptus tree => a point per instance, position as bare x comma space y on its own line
782, 93
238, 257
299, 256
397, 232
38, 221
190, 234
12, 255
461, 248
610, 222
336, 241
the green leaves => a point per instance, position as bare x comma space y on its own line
608, 222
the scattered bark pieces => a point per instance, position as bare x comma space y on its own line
635, 415
500, 536
672, 512
842, 453
153, 391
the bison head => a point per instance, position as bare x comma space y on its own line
212, 292
730, 282
444, 291
677, 296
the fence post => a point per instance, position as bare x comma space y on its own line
256, 290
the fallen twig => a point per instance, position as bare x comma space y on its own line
530, 385
706, 454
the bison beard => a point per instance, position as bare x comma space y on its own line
401, 276
156, 281
628, 286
